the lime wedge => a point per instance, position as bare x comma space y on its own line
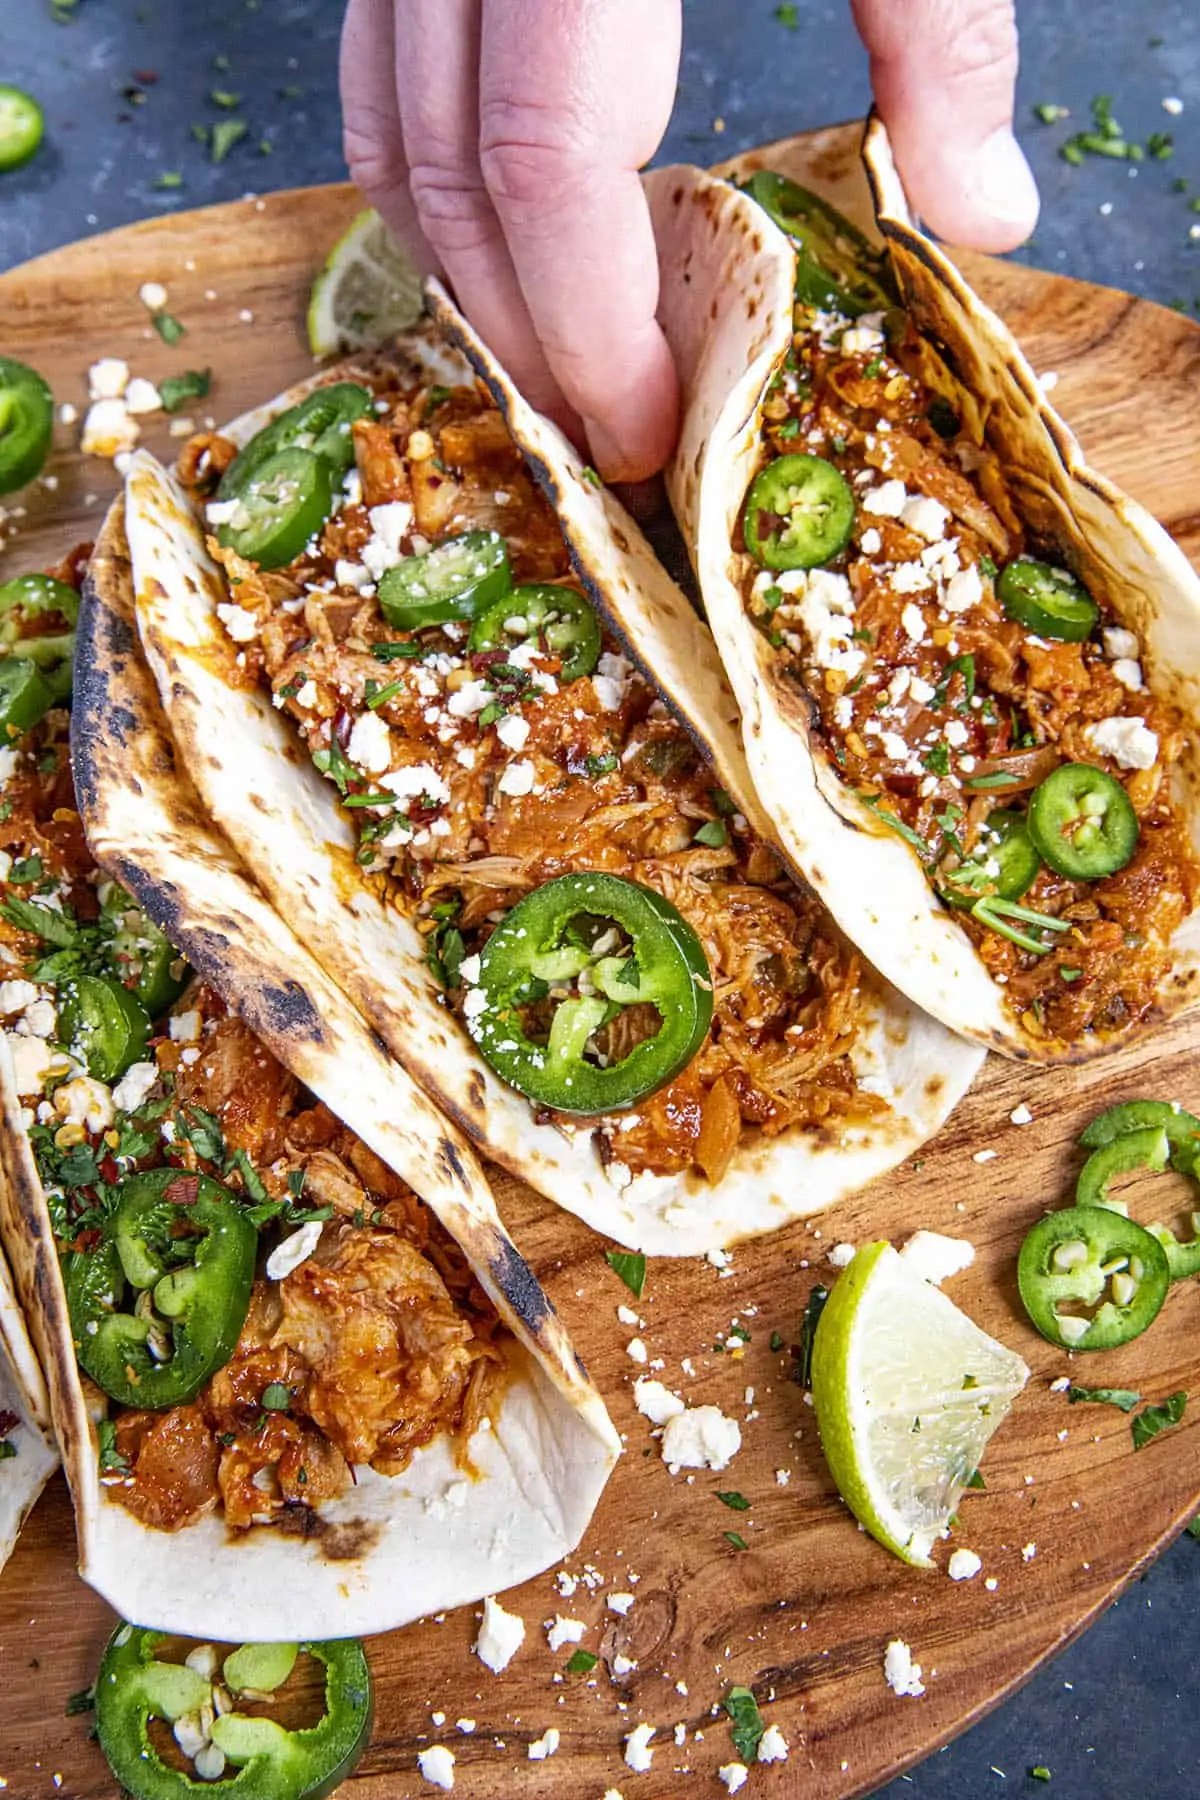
907, 1391
367, 291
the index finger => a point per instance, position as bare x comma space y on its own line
573, 99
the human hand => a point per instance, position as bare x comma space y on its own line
943, 74
501, 144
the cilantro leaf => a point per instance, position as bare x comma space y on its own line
746, 1722
1152, 1419
581, 1662
630, 1266
46, 922
1125, 1398
176, 390
734, 1501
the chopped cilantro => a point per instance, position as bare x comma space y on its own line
336, 764
630, 1265
1125, 1398
736, 1539
746, 1722
252, 1181
715, 834
1040, 1772
445, 954
808, 1331
897, 825
223, 98
1152, 1419
789, 428
958, 665
224, 135
874, 367
599, 765
176, 390
296, 1179
590, 476
168, 327
167, 178
777, 1340
1049, 114
46, 922
734, 1501
1067, 974
788, 15
276, 1397
975, 1480
396, 652
999, 778
1160, 145
581, 1662
111, 1460
203, 1132
937, 760
1193, 1527
26, 870
377, 696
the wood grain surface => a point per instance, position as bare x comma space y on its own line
804, 1613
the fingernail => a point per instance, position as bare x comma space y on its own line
1001, 182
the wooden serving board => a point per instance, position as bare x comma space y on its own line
802, 1615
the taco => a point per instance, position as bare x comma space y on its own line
965, 662
303, 1381
478, 750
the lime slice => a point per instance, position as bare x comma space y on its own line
367, 291
907, 1391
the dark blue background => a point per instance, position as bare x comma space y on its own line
1115, 1716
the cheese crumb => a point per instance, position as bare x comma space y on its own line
936, 1258
772, 1746
964, 1565
926, 517
636, 1350
700, 1437
887, 500
564, 1631
294, 1250
370, 745
108, 378
901, 1673
734, 1775
620, 1603
239, 622
1021, 1115
108, 429
500, 1636
544, 1746
638, 1753
1129, 741
513, 731
841, 1255
656, 1402
437, 1766
517, 779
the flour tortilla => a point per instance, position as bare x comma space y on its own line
24, 1474
393, 1548
284, 819
726, 275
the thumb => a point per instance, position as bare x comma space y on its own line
943, 73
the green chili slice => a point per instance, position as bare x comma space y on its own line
568, 960
1046, 600
837, 268
322, 423
1004, 862
26, 423
558, 618
282, 503
461, 578
799, 513
133, 1688
22, 124
1092, 1257
187, 1250
25, 696
1082, 822
102, 1023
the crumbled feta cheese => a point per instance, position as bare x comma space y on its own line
223, 512
611, 680
134, 1085
656, 1402
936, 1258
389, 523
1021, 1115
913, 621
469, 699
437, 1766
306, 693
370, 744
141, 396
625, 1314
32, 1061
620, 1603
772, 1746
351, 575
153, 295
922, 691
964, 1565
886, 501
909, 578
1030, 1550
827, 613
513, 731
415, 780
638, 1753
636, 1350
861, 340
108, 429
1172, 104
841, 1255
870, 543
40, 1017
500, 1636
901, 1673
1129, 673
985, 1156
108, 378
185, 1027
564, 1631
239, 622
734, 1775
963, 591
700, 1437
293, 1250
1129, 741
926, 517
67, 414
894, 746
544, 1746
84, 1101
1119, 643
517, 779
956, 733
15, 996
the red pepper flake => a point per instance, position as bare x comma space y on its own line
184, 1192
87, 1240
109, 1169
343, 725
